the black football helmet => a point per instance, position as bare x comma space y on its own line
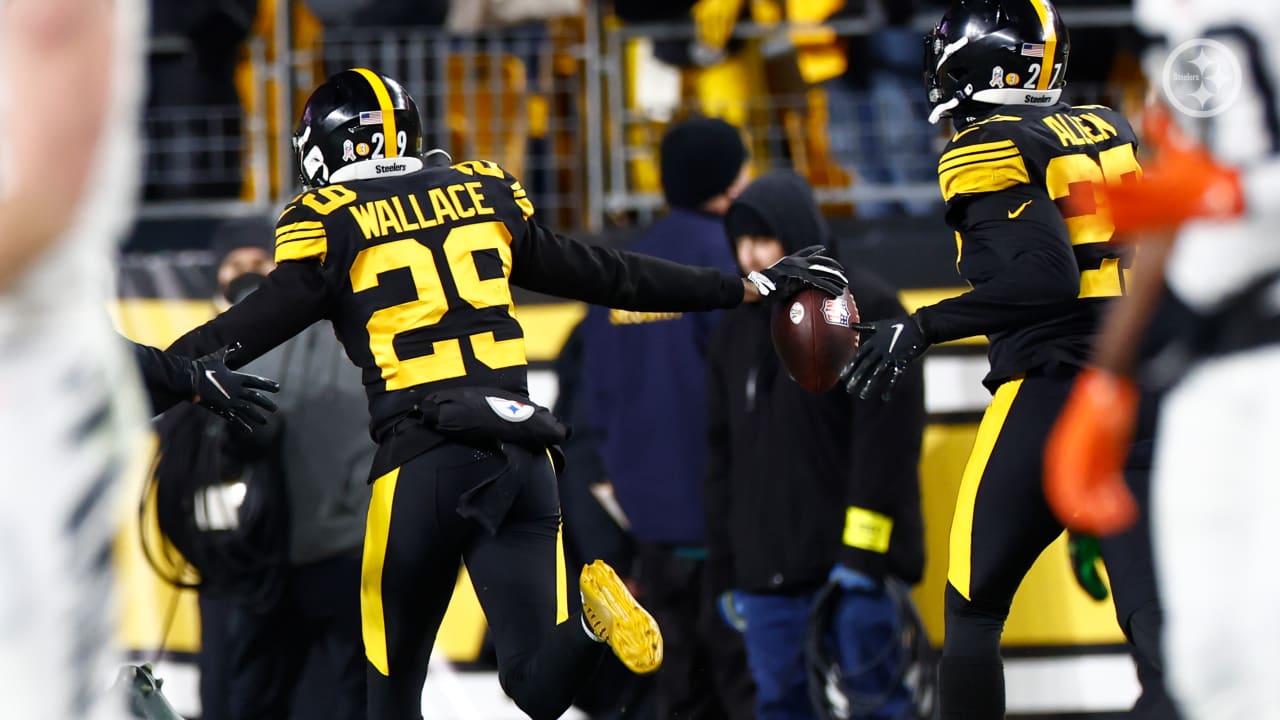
355, 115
995, 52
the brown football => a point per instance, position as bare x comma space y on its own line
813, 335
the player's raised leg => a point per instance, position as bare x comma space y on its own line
546, 650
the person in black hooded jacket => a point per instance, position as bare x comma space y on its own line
804, 488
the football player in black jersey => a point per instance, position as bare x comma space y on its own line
413, 260
1034, 242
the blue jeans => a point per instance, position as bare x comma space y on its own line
777, 626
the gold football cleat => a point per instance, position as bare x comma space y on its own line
615, 617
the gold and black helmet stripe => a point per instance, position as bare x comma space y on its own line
388, 110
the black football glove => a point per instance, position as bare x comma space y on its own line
231, 395
1086, 557
810, 267
885, 348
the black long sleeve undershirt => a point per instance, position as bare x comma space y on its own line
1021, 267
294, 296
556, 265
166, 377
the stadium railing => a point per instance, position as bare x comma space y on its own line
576, 109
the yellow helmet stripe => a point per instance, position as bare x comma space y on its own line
392, 147
1050, 43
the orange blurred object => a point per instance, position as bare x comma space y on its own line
1085, 455
1183, 181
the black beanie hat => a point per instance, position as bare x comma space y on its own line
743, 219
251, 231
701, 158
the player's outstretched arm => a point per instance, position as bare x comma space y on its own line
294, 296
546, 262
208, 382
60, 53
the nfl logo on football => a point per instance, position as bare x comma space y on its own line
836, 311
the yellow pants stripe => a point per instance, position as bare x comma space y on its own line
377, 528
562, 578
961, 546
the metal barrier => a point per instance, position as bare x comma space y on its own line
576, 110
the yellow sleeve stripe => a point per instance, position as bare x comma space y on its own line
983, 177
973, 149
302, 249
522, 199
954, 163
300, 235
304, 225
867, 530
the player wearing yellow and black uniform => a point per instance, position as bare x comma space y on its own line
1034, 241
412, 262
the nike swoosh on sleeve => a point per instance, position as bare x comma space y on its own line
1015, 213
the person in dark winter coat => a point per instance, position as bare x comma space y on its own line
645, 385
802, 488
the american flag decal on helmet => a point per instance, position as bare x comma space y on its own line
1033, 49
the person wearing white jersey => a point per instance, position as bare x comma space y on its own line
1209, 205
70, 405
71, 409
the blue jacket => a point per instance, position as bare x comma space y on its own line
645, 377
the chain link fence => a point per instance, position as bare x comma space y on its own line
576, 109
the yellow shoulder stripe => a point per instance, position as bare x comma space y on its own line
294, 227
954, 163
304, 240
971, 149
312, 248
521, 197
983, 176
980, 123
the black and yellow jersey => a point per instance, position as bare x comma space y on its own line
414, 268
1033, 237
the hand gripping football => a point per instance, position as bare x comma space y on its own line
812, 334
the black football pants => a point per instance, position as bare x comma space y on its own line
1001, 525
414, 542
